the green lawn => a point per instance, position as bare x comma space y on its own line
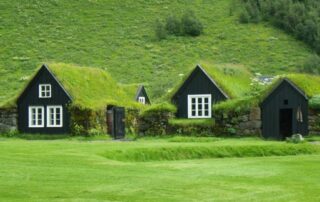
78, 170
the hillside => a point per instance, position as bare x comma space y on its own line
118, 36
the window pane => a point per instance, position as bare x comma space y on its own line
206, 113
193, 100
193, 113
193, 107
200, 113
58, 121
199, 100
199, 106
206, 100
206, 106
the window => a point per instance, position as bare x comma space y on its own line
36, 117
44, 91
54, 116
199, 106
142, 100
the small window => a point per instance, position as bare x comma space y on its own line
199, 106
36, 117
285, 102
44, 91
54, 116
142, 100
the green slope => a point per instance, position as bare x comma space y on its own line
118, 36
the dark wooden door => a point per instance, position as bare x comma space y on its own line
110, 121
119, 122
285, 125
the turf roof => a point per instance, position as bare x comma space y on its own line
89, 87
309, 84
234, 80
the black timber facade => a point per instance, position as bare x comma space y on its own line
30, 98
142, 93
284, 112
198, 83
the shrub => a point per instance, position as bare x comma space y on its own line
295, 138
160, 30
95, 132
191, 25
173, 25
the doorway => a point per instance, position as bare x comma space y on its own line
116, 122
285, 125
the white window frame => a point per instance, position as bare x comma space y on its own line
202, 96
45, 91
55, 125
31, 125
142, 100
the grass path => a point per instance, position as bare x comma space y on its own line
76, 171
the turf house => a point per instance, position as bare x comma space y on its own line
64, 98
195, 97
284, 111
142, 96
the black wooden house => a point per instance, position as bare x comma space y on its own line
142, 96
197, 94
284, 111
42, 106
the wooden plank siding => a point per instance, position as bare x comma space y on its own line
285, 96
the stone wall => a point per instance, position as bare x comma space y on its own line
8, 120
248, 124
314, 122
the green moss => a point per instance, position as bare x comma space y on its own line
158, 108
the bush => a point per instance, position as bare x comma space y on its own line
312, 64
295, 138
191, 25
160, 30
173, 25
96, 132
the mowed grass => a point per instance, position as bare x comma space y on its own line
118, 36
73, 170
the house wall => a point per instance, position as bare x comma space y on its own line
272, 105
143, 93
8, 120
197, 83
30, 97
245, 123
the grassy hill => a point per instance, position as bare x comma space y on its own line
118, 36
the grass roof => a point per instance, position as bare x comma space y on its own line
306, 82
90, 87
233, 79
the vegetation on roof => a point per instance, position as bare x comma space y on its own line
309, 84
232, 79
89, 87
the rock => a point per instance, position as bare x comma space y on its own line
255, 114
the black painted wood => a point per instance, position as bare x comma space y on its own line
116, 122
199, 82
141, 92
285, 97
30, 97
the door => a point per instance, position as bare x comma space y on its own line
119, 122
110, 121
285, 125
